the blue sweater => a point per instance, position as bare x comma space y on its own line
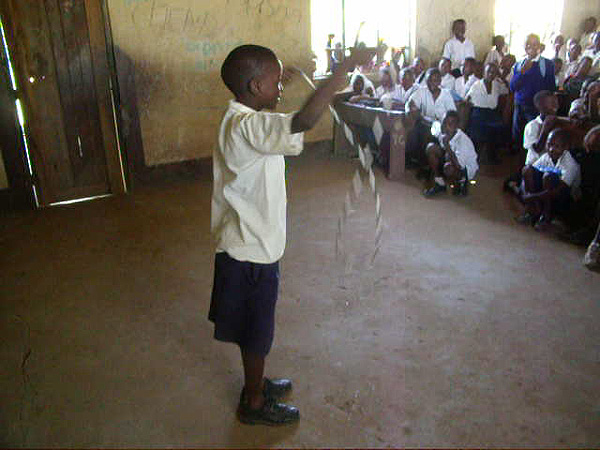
526, 85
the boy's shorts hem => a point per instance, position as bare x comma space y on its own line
243, 302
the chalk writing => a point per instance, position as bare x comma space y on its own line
170, 18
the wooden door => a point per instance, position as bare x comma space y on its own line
60, 55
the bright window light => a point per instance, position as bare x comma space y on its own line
515, 19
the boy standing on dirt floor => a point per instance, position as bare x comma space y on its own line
248, 216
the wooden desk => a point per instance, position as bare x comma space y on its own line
392, 121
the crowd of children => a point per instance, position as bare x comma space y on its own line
462, 112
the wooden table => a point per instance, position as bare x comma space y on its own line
391, 121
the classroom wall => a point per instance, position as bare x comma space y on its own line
575, 12
176, 48
434, 21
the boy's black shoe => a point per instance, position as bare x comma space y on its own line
461, 188
277, 387
435, 190
271, 413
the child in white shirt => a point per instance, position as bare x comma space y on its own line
448, 79
549, 182
486, 126
466, 80
497, 52
458, 47
452, 158
547, 105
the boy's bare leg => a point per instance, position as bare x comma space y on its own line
254, 368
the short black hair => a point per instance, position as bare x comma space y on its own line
562, 135
243, 64
470, 59
540, 97
432, 71
451, 114
457, 21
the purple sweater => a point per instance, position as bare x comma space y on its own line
526, 85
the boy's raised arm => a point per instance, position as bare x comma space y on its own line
312, 110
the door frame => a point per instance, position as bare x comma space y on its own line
100, 53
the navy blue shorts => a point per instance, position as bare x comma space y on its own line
242, 304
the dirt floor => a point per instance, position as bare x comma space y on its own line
467, 329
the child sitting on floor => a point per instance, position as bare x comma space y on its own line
387, 83
486, 127
549, 182
405, 89
452, 158
546, 103
448, 79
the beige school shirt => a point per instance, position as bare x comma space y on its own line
248, 216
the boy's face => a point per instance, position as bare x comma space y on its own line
532, 47
574, 51
270, 85
499, 42
433, 81
444, 66
555, 146
419, 65
468, 68
407, 80
386, 79
459, 29
358, 85
550, 105
449, 126
490, 72
558, 65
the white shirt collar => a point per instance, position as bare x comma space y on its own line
240, 106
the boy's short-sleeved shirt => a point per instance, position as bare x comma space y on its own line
381, 91
566, 167
402, 95
457, 51
479, 95
530, 137
594, 58
462, 86
248, 213
462, 146
448, 82
432, 109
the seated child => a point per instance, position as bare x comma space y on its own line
426, 105
418, 68
547, 105
248, 215
549, 182
452, 158
466, 80
448, 79
497, 52
405, 88
506, 67
368, 88
387, 83
559, 72
486, 127
359, 93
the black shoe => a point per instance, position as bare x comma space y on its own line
526, 219
461, 189
277, 387
271, 413
436, 189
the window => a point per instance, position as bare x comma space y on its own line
386, 21
515, 19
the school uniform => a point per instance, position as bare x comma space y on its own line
456, 51
525, 85
448, 82
485, 121
531, 135
493, 56
402, 95
463, 148
462, 86
248, 221
432, 109
381, 91
594, 57
567, 170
